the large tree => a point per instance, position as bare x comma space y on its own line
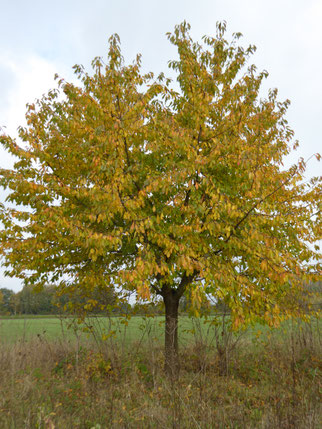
128, 180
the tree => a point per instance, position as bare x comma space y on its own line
5, 300
31, 302
129, 182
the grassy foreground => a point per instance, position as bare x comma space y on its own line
248, 380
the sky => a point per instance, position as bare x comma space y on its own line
39, 38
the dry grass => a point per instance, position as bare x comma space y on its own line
267, 382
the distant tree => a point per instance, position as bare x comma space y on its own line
130, 183
311, 298
29, 301
49, 301
5, 300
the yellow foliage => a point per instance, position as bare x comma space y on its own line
130, 182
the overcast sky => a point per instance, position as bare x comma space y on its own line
39, 38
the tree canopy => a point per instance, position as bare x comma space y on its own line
129, 180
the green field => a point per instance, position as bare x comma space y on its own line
137, 328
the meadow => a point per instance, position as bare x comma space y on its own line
127, 330
54, 374
67, 328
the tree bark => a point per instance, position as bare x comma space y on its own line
171, 301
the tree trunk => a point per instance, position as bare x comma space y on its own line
171, 302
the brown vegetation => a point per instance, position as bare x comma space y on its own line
260, 381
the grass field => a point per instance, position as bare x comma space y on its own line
26, 328
56, 328
52, 377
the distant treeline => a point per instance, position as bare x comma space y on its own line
101, 301
48, 301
